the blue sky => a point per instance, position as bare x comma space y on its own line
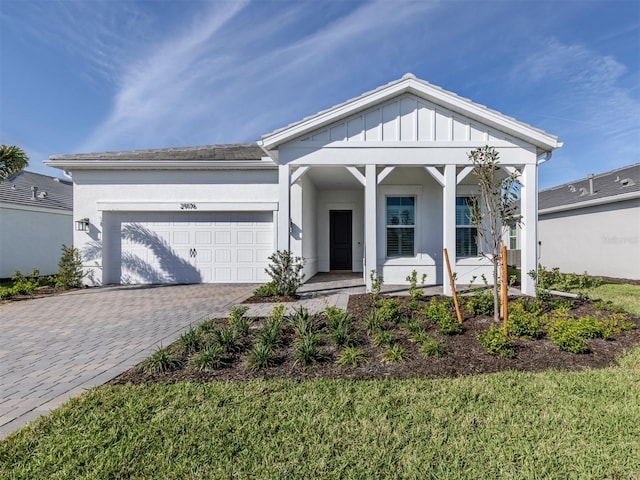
98, 75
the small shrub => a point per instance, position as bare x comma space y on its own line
522, 323
285, 271
389, 310
260, 356
480, 303
190, 341
227, 340
239, 321
438, 313
384, 338
496, 342
430, 347
420, 337
415, 291
616, 323
589, 327
376, 285
266, 290
208, 326
395, 354
413, 325
160, 362
270, 333
414, 305
306, 350
373, 322
70, 273
277, 314
210, 358
449, 325
566, 335
352, 356
339, 323
301, 322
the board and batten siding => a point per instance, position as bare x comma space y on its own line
407, 119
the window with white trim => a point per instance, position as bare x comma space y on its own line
466, 231
401, 226
513, 237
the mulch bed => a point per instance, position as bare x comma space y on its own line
464, 353
40, 293
274, 299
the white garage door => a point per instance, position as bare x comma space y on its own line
188, 247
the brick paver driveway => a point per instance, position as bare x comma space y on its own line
52, 349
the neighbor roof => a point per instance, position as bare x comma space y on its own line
410, 84
176, 157
616, 185
49, 192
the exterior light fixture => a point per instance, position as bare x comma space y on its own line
82, 225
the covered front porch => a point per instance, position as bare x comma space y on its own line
390, 219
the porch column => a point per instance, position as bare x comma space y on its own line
284, 216
449, 224
370, 233
529, 239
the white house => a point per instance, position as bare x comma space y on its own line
380, 182
593, 225
35, 221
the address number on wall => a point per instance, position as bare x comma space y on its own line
188, 206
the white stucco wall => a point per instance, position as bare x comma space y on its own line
601, 240
99, 191
33, 239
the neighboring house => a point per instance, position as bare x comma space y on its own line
593, 225
35, 221
380, 182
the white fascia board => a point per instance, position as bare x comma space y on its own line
440, 97
29, 208
159, 165
591, 203
187, 206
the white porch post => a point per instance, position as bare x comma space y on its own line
449, 224
371, 248
529, 239
284, 216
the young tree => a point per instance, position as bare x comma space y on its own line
495, 209
12, 160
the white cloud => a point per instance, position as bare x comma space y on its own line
223, 72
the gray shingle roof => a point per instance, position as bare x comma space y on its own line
229, 152
51, 192
605, 185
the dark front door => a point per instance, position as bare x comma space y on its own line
340, 240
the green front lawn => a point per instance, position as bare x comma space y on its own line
507, 425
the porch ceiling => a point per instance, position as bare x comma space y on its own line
333, 178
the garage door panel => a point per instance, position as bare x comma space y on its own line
223, 237
188, 247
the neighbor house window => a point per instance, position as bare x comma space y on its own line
466, 232
401, 221
513, 239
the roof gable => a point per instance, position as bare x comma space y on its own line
434, 98
406, 118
